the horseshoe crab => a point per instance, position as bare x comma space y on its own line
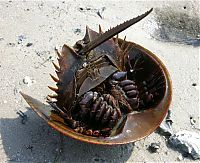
109, 90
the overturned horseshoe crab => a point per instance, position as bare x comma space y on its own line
109, 91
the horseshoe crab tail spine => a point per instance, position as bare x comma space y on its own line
112, 32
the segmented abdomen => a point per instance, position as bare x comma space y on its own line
103, 110
131, 93
125, 90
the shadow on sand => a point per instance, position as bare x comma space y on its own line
35, 141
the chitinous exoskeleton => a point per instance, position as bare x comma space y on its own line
109, 90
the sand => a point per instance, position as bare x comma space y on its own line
29, 32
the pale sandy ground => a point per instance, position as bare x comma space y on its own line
50, 24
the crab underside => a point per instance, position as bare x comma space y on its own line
105, 85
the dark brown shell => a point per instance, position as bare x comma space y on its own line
108, 57
137, 126
68, 61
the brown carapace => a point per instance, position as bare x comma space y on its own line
109, 90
